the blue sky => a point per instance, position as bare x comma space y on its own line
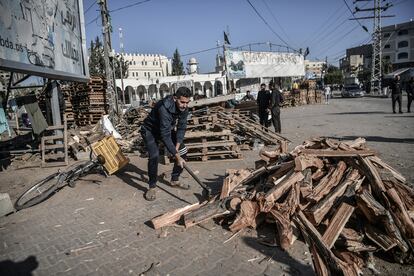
161, 26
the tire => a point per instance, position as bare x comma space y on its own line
38, 192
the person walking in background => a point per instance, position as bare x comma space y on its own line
396, 94
327, 93
410, 93
263, 103
276, 99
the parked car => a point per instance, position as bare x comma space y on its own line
352, 90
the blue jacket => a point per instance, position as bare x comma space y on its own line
162, 120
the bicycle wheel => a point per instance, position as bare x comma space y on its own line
38, 192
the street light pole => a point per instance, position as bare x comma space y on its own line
121, 44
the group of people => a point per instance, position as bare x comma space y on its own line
396, 94
269, 101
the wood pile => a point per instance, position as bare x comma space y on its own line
301, 97
88, 101
129, 128
340, 197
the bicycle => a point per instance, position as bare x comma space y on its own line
44, 188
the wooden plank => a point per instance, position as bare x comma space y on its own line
395, 173
174, 215
322, 207
376, 213
378, 237
337, 153
281, 188
324, 187
337, 223
401, 216
335, 266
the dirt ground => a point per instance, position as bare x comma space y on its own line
102, 229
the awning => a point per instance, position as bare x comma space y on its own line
397, 72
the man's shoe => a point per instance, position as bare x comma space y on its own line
178, 184
394, 112
401, 112
150, 194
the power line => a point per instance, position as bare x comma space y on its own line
267, 24
363, 27
93, 3
324, 26
117, 9
277, 21
129, 6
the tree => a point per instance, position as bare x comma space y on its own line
117, 62
177, 64
97, 61
96, 58
333, 75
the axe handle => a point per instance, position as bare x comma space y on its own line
196, 178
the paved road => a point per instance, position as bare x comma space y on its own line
102, 229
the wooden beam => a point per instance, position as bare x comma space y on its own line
317, 212
337, 223
324, 187
173, 216
337, 153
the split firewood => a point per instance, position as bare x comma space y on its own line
343, 200
330, 181
305, 161
247, 216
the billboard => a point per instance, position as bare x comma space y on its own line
246, 64
43, 38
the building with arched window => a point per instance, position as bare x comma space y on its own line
145, 66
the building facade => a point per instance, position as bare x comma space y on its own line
397, 51
398, 45
313, 69
147, 66
357, 59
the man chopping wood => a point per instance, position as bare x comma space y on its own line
167, 122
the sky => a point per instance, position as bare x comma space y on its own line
161, 26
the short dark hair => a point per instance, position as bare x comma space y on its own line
263, 84
183, 92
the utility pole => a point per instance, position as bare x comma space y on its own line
376, 65
121, 46
106, 31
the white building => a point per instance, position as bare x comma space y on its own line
158, 86
147, 66
314, 68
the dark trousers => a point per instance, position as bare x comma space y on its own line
396, 98
410, 100
263, 117
152, 145
276, 119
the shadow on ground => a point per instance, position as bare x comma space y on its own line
24, 268
359, 113
293, 267
379, 139
135, 177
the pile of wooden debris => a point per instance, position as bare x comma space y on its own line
340, 197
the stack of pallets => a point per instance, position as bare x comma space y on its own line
69, 114
211, 145
89, 102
